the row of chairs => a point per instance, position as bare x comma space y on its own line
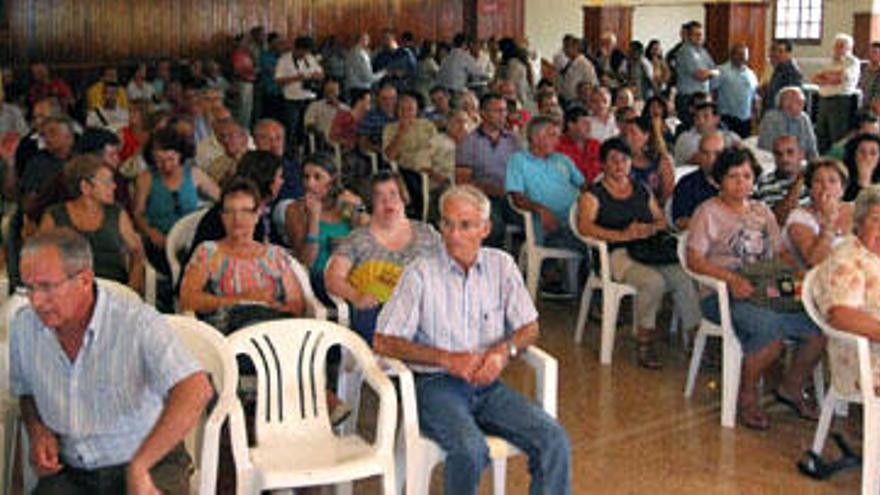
289, 356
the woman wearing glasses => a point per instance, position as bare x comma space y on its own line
167, 191
237, 280
116, 247
365, 268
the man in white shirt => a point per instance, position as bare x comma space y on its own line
838, 93
320, 114
359, 68
108, 115
602, 122
576, 70
294, 68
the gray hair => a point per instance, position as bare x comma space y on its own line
470, 194
846, 39
76, 253
789, 89
867, 199
537, 123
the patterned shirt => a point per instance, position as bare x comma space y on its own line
103, 404
777, 123
438, 304
849, 277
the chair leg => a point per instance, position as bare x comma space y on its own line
389, 480
696, 359
731, 371
586, 298
825, 417
572, 281
870, 450
819, 382
347, 488
533, 269
499, 476
610, 308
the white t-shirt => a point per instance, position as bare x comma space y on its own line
287, 67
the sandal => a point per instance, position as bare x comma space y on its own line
754, 418
799, 406
646, 356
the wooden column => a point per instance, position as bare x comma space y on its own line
499, 18
617, 19
731, 23
866, 28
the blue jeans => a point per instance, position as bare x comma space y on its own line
756, 327
457, 415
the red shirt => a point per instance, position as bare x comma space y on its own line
585, 158
57, 88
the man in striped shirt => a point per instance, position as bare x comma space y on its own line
107, 393
458, 317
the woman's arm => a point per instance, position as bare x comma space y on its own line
588, 209
302, 232
854, 320
667, 177
336, 280
294, 301
135, 251
193, 296
812, 248
205, 184
657, 214
141, 193
739, 286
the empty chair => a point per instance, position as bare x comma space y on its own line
295, 445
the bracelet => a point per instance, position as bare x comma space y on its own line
312, 238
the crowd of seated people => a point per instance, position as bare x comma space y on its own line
602, 132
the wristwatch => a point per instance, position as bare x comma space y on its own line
512, 351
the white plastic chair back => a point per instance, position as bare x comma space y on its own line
279, 218
8, 406
179, 240
841, 347
118, 289
290, 357
210, 349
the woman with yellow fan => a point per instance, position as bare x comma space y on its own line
365, 268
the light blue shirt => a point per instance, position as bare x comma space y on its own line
553, 181
777, 123
737, 87
689, 59
457, 69
103, 404
437, 304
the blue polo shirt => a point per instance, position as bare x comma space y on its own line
553, 181
737, 87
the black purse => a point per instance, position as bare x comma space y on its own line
659, 249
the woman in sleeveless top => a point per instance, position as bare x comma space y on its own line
812, 231
116, 248
167, 192
649, 166
621, 210
321, 220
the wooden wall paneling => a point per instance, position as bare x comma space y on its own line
866, 28
598, 20
728, 24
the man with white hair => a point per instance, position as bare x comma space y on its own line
489, 320
838, 93
789, 119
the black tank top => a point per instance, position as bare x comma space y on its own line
108, 248
617, 214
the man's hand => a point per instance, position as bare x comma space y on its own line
494, 362
464, 364
44, 451
548, 220
139, 482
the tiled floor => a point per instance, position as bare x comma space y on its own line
633, 432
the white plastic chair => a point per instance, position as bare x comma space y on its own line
8, 405
731, 350
843, 392
612, 293
532, 254
422, 454
314, 308
210, 349
180, 239
425, 191
295, 445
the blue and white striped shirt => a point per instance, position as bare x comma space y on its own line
437, 304
103, 404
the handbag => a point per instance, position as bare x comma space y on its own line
659, 249
776, 285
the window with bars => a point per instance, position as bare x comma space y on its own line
798, 20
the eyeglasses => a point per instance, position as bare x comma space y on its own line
43, 287
464, 225
102, 180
